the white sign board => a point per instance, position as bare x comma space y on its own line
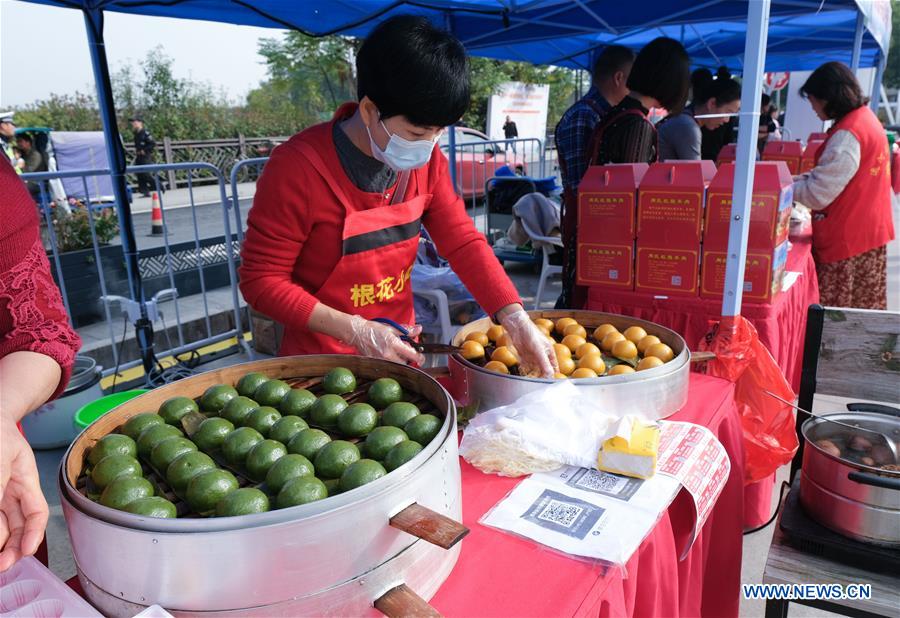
525, 104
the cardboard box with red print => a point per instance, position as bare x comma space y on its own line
787, 151
763, 274
607, 205
769, 215
809, 155
728, 154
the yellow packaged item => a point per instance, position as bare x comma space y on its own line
630, 448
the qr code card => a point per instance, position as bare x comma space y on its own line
654, 493
575, 522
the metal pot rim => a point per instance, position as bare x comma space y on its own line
274, 517
812, 422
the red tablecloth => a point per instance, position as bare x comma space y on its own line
502, 575
781, 326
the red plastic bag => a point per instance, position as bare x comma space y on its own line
770, 439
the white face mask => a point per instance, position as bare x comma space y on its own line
402, 154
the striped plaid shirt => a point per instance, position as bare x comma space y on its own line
573, 135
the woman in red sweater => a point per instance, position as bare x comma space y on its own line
37, 351
334, 228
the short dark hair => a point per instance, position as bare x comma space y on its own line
410, 68
662, 70
764, 100
25, 137
836, 85
611, 60
700, 81
723, 91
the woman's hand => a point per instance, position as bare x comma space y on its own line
383, 341
23, 509
27, 380
536, 353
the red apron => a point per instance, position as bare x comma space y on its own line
859, 219
372, 278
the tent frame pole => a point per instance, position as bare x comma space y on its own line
876, 84
745, 167
857, 42
143, 327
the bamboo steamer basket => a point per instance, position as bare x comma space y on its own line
389, 543
654, 393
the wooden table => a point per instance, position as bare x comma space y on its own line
788, 565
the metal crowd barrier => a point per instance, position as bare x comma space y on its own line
195, 255
477, 162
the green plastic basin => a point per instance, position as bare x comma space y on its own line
89, 413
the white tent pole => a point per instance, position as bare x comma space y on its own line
745, 165
888, 110
876, 85
857, 42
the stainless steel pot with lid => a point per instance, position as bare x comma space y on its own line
848, 484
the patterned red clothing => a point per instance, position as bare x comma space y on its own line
859, 281
32, 315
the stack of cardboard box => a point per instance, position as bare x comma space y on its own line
767, 240
663, 230
669, 226
607, 201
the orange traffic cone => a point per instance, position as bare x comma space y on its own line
156, 221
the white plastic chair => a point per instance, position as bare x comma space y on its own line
547, 269
444, 329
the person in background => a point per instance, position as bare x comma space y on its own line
765, 123
849, 192
144, 145
774, 125
37, 352
572, 135
7, 137
334, 229
34, 162
510, 132
713, 140
680, 135
660, 77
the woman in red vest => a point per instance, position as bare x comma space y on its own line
37, 351
849, 192
334, 228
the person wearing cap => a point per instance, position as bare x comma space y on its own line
143, 153
7, 136
334, 229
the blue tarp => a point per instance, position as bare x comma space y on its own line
563, 32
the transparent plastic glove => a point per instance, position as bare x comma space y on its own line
382, 341
536, 355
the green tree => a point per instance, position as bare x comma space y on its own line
62, 112
487, 74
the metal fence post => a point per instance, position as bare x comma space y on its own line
167, 149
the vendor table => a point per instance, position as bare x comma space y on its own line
502, 575
781, 326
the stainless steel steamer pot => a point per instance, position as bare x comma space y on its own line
654, 393
857, 500
333, 557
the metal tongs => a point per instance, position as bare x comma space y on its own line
888, 442
422, 348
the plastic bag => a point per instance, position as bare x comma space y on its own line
770, 439
461, 304
540, 431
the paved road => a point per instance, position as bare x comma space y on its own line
180, 224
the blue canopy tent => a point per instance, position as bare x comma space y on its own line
559, 32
